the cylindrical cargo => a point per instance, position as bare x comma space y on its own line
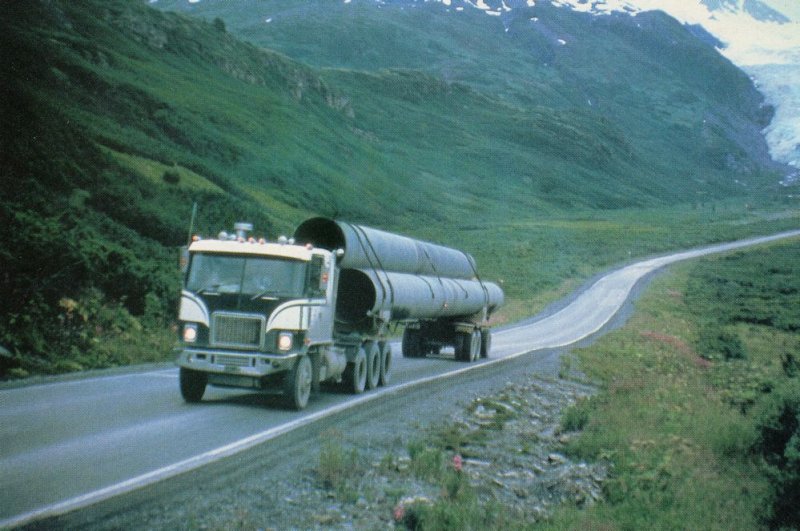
371, 249
364, 294
388, 277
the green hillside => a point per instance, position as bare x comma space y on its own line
117, 117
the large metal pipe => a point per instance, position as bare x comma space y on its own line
372, 249
365, 294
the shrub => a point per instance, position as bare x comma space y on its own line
336, 465
717, 343
778, 441
171, 176
576, 416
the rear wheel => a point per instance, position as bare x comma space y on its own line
486, 343
468, 346
475, 345
356, 373
193, 384
297, 386
412, 343
386, 362
373, 364
463, 342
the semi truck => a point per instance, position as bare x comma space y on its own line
288, 315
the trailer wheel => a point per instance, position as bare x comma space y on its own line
486, 343
356, 373
468, 346
373, 364
386, 362
412, 343
297, 385
475, 345
462, 344
193, 384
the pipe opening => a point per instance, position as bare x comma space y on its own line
321, 232
356, 296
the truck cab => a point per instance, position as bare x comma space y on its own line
252, 312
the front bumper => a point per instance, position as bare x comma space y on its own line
234, 363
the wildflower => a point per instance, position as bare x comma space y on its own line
458, 463
399, 513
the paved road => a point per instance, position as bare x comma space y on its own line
70, 444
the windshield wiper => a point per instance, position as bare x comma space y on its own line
208, 289
269, 294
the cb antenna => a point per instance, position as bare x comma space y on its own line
191, 223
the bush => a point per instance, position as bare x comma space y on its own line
336, 465
778, 442
171, 176
576, 416
717, 343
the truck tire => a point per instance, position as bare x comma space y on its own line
373, 364
412, 343
297, 385
468, 346
486, 343
475, 345
462, 344
386, 362
193, 385
355, 375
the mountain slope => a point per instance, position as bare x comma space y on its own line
649, 76
118, 117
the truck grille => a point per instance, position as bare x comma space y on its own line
237, 330
234, 361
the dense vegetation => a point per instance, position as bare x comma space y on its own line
118, 117
700, 422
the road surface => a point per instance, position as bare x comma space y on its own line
67, 445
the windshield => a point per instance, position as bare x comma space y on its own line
249, 275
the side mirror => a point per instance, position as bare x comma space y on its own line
317, 284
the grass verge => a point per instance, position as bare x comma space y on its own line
698, 411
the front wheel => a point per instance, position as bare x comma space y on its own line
297, 386
193, 384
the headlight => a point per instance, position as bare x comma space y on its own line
190, 332
285, 341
